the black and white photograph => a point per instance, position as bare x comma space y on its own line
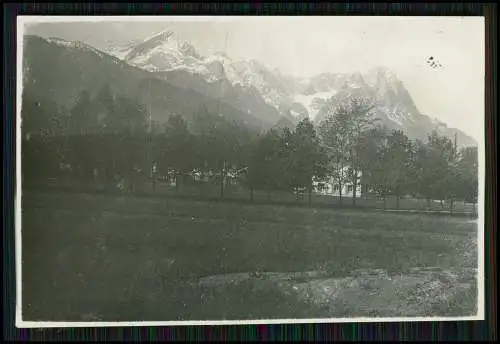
244, 170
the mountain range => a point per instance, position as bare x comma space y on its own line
169, 75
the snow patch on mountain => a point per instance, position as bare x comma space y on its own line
163, 35
164, 52
120, 50
394, 116
120, 53
74, 44
61, 42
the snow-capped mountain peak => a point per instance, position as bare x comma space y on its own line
162, 51
162, 35
254, 88
120, 50
166, 52
377, 76
295, 97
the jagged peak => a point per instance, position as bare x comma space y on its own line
381, 76
169, 36
220, 57
162, 35
165, 38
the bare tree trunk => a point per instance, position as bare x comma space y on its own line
354, 187
451, 205
222, 182
340, 168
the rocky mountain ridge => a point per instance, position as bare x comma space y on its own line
267, 94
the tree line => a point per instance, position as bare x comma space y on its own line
110, 135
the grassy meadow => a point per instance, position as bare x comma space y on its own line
100, 257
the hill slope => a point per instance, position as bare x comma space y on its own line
58, 71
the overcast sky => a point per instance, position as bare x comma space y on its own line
304, 46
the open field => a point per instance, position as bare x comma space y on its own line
241, 194
101, 257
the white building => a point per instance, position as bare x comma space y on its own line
331, 187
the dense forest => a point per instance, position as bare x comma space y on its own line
111, 137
